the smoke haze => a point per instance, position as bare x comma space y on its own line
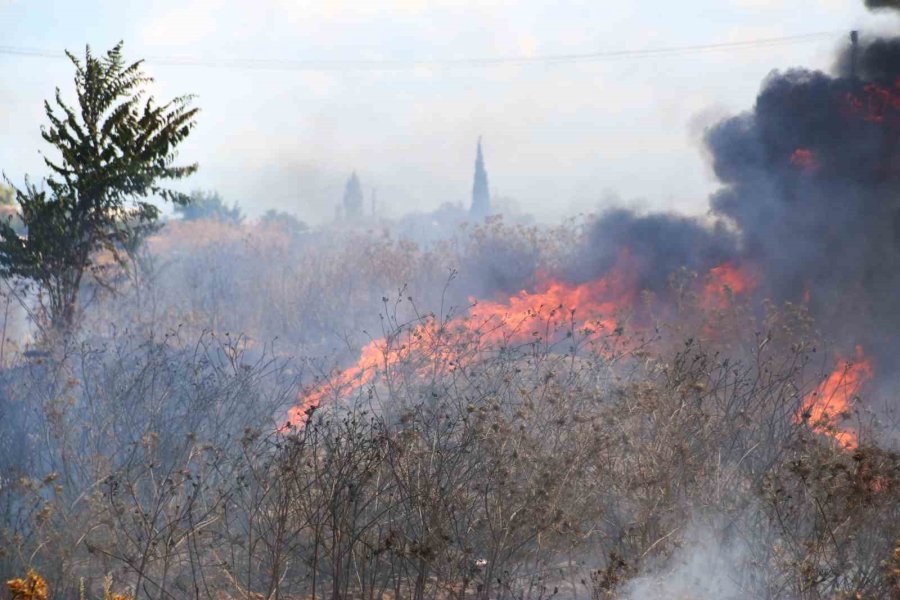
288, 139
403, 385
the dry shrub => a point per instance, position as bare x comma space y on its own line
470, 465
32, 587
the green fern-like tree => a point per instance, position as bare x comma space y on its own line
113, 151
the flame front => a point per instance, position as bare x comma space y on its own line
833, 398
590, 307
593, 309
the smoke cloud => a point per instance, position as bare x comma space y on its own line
809, 198
705, 568
879, 4
811, 179
657, 244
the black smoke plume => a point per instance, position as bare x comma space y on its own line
811, 178
810, 188
877, 4
657, 246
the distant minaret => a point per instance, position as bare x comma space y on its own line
481, 196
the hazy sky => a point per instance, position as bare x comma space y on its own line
557, 138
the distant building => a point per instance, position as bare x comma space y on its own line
353, 199
481, 196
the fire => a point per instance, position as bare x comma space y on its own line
725, 281
588, 307
600, 300
833, 398
877, 103
593, 309
805, 160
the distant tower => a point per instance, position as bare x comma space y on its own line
481, 196
353, 199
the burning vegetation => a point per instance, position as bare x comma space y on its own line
832, 401
627, 406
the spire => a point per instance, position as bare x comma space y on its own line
353, 198
481, 196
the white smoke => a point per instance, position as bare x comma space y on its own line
704, 568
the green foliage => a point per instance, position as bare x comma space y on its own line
8, 209
114, 148
286, 220
208, 205
7, 195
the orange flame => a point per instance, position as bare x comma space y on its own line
593, 309
833, 398
725, 281
805, 160
877, 103
599, 299
589, 307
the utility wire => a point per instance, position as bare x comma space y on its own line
389, 65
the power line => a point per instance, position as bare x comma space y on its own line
391, 65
